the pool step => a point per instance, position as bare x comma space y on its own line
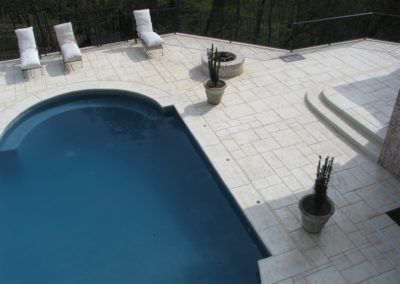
366, 143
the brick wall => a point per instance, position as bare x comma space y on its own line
390, 154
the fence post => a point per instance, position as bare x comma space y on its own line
292, 38
177, 19
366, 32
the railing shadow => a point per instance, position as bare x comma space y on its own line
135, 53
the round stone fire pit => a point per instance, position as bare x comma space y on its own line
231, 63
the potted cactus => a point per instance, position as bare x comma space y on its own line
214, 86
317, 208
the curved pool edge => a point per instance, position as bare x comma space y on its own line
228, 171
11, 114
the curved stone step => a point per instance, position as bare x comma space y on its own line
368, 133
314, 99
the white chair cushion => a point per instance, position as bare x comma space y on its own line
71, 52
143, 20
65, 33
151, 39
26, 39
30, 59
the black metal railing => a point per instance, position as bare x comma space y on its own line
344, 28
109, 25
384, 27
269, 32
329, 30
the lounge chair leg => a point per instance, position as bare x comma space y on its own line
41, 69
23, 73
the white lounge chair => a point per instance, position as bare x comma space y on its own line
144, 27
28, 50
66, 40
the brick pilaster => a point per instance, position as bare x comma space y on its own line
390, 154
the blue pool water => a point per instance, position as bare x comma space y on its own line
100, 188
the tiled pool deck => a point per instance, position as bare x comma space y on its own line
264, 141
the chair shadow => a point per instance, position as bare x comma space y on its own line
134, 53
14, 74
55, 68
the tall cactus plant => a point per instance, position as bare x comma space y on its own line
214, 64
322, 180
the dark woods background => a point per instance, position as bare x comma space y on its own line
22, 12
265, 22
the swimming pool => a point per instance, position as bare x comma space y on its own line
110, 188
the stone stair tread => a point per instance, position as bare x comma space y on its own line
361, 125
359, 139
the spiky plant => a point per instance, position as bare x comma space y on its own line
214, 64
322, 180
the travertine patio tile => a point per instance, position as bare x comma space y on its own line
277, 268
381, 263
303, 178
358, 211
265, 145
287, 218
390, 277
382, 221
357, 238
344, 181
260, 183
255, 167
273, 180
355, 256
360, 272
352, 197
292, 183
316, 256
278, 196
393, 234
341, 262
246, 136
249, 150
338, 198
380, 242
287, 137
376, 196
275, 163
333, 241
267, 117
344, 222
291, 157
277, 239
258, 213
329, 275
302, 239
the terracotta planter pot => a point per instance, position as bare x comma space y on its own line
313, 223
214, 94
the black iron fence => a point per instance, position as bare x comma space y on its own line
384, 27
268, 32
344, 28
113, 25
